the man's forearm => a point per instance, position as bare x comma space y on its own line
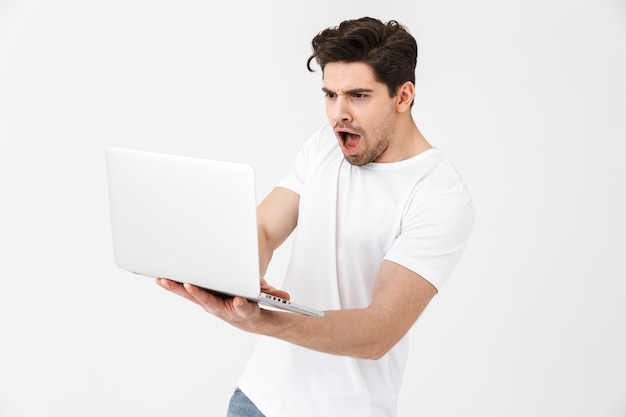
357, 333
399, 297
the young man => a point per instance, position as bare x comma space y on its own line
381, 220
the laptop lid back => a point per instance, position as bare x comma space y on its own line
188, 219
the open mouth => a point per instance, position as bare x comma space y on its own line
349, 141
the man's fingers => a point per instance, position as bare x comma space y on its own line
244, 309
176, 288
268, 289
234, 310
211, 303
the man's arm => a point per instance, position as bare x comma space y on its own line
399, 297
277, 216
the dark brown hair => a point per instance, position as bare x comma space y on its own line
388, 48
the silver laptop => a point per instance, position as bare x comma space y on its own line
190, 220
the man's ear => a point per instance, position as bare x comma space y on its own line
405, 96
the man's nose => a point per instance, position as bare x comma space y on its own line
341, 110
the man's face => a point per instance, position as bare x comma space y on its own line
361, 112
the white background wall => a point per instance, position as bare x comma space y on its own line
527, 98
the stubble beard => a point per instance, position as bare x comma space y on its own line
371, 154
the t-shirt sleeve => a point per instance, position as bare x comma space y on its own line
434, 234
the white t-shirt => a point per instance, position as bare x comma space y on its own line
417, 213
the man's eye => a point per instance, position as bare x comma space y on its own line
331, 95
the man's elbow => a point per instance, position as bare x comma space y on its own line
376, 351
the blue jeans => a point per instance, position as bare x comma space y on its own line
241, 406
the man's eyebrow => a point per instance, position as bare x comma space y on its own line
350, 92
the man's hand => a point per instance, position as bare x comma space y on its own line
235, 310
398, 298
268, 289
